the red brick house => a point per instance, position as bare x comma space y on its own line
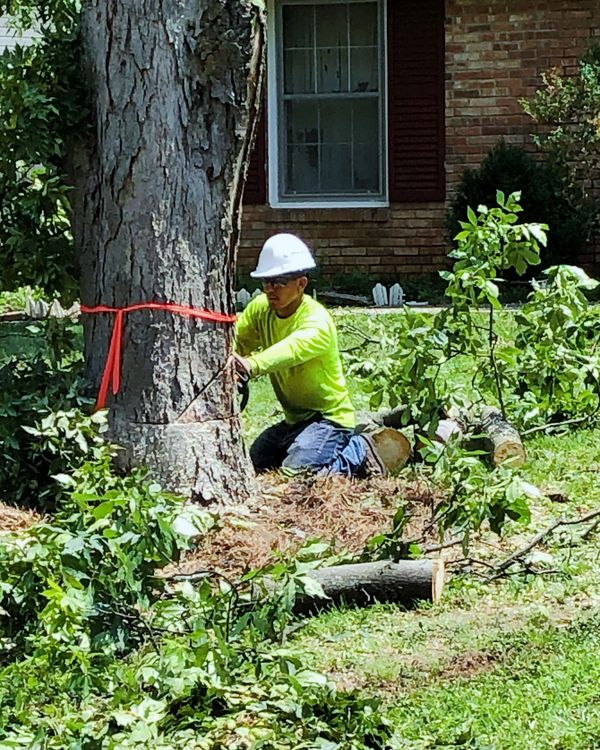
375, 107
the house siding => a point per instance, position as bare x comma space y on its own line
495, 54
9, 38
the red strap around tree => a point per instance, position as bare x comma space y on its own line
112, 369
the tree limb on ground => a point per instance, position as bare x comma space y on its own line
501, 567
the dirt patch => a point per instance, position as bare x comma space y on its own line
16, 519
468, 665
287, 514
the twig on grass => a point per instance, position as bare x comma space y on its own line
556, 425
508, 561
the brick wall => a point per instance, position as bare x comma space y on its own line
495, 53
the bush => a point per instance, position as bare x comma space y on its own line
509, 169
43, 427
567, 107
44, 113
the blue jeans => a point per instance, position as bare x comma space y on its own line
317, 445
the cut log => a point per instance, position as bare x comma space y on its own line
393, 447
446, 429
361, 584
503, 441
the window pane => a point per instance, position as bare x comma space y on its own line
332, 70
364, 70
332, 25
302, 122
366, 167
335, 122
302, 169
299, 72
363, 24
366, 120
366, 145
336, 168
298, 26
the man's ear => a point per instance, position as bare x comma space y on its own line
302, 283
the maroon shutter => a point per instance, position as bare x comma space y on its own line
416, 100
255, 190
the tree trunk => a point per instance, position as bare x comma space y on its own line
175, 89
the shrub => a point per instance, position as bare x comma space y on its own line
567, 107
543, 199
43, 427
44, 112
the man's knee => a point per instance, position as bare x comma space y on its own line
268, 451
316, 446
262, 458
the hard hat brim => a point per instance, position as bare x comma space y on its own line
273, 273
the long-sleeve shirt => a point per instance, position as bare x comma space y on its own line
301, 356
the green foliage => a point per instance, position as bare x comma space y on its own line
552, 372
545, 199
102, 652
43, 430
568, 109
407, 367
549, 372
17, 300
44, 113
474, 495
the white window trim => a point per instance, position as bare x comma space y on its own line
273, 125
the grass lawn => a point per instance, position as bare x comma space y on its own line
509, 665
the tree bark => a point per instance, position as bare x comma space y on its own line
175, 91
501, 439
404, 581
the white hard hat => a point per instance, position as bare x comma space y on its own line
283, 254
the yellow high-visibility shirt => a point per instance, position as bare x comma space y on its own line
301, 356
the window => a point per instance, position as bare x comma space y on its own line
327, 92
355, 105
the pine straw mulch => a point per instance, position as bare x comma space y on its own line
285, 514
16, 519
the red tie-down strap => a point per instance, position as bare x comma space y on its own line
112, 368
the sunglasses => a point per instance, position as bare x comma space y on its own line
277, 282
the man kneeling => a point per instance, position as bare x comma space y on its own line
289, 336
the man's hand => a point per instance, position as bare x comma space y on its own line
242, 367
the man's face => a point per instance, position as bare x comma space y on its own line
284, 296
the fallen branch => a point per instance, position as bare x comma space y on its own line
554, 425
508, 561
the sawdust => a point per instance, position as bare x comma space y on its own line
16, 519
286, 514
